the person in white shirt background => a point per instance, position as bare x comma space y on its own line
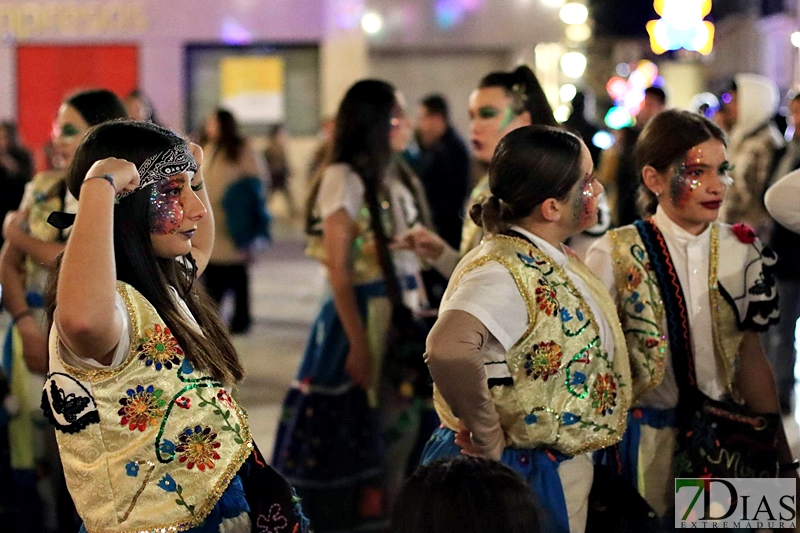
681, 157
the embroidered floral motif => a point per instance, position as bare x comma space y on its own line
543, 361
187, 367
531, 419
604, 394
651, 343
141, 408
198, 447
167, 483
132, 469
546, 297
167, 447
565, 316
744, 233
633, 278
273, 521
159, 348
183, 402
578, 378
224, 397
569, 418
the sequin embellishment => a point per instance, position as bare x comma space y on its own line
604, 394
141, 408
198, 447
159, 348
543, 361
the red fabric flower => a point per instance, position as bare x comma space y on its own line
183, 402
744, 233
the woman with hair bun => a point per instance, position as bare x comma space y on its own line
528, 360
503, 102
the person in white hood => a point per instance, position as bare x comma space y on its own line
754, 139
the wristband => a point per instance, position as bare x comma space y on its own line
106, 177
789, 467
22, 314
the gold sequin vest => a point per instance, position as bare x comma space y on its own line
567, 393
150, 445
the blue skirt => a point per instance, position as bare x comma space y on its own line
329, 444
539, 467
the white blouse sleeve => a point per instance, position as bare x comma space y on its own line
490, 294
599, 261
341, 188
783, 201
120, 352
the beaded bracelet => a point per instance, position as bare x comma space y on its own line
106, 177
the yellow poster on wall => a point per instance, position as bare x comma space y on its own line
251, 88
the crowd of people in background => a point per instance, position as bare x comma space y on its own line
526, 319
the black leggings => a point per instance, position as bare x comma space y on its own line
219, 279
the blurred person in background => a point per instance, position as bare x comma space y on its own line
330, 440
229, 158
786, 243
139, 107
579, 122
16, 169
31, 247
277, 160
655, 101
617, 172
443, 167
754, 140
503, 102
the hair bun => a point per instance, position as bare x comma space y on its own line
490, 213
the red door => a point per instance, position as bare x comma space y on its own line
46, 74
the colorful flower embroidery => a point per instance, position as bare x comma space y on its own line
604, 394
579, 378
132, 469
168, 484
565, 316
633, 278
141, 408
273, 521
183, 402
159, 348
198, 447
543, 361
224, 397
546, 298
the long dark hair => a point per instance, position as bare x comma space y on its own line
665, 141
522, 85
362, 141
468, 495
230, 141
530, 165
136, 262
97, 106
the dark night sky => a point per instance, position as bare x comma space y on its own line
627, 18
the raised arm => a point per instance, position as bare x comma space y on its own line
86, 293
203, 240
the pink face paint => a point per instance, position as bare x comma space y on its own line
684, 182
166, 207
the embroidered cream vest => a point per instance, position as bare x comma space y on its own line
643, 318
568, 394
150, 445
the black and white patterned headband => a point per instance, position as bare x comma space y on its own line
164, 165
160, 166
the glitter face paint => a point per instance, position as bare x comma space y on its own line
166, 207
582, 204
684, 182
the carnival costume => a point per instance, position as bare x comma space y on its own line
562, 388
151, 443
335, 440
684, 312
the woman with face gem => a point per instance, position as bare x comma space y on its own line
681, 262
528, 360
503, 102
141, 368
30, 248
